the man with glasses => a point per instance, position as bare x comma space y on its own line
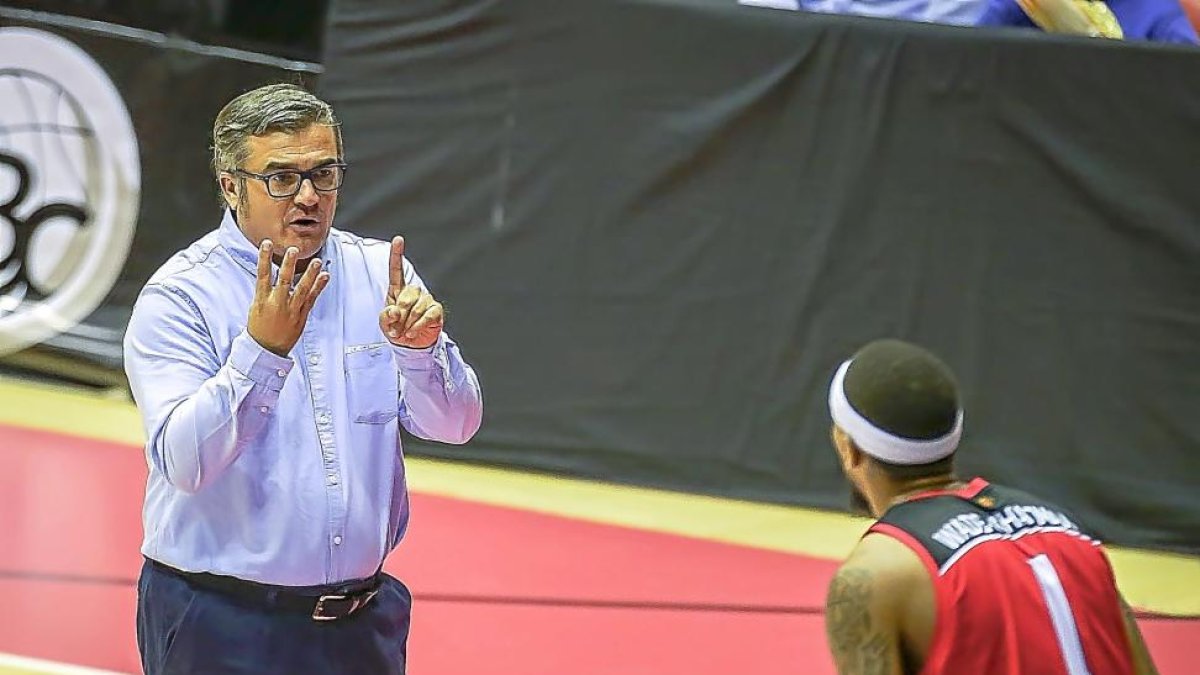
273, 362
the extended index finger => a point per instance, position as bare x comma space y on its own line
264, 267
396, 265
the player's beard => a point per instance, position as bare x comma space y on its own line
858, 501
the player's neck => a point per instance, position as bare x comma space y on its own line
902, 492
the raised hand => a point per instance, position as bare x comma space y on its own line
411, 317
278, 312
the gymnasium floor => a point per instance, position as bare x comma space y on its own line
512, 574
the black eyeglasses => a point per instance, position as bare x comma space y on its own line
286, 183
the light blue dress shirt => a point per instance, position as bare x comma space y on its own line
285, 471
957, 12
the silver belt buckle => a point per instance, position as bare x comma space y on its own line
357, 604
319, 611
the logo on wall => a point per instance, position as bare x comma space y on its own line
69, 186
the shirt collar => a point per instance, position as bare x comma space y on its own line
245, 254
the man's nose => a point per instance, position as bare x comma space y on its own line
307, 195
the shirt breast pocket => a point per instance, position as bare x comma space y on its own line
372, 383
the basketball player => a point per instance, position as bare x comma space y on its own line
957, 577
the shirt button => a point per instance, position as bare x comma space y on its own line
337, 541
324, 418
314, 359
264, 410
281, 372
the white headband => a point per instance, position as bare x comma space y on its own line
882, 444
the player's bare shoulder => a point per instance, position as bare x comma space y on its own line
869, 603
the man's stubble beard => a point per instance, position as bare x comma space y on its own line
858, 501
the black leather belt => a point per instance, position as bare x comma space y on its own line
322, 603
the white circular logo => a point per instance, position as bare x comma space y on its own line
69, 186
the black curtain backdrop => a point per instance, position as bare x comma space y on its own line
658, 227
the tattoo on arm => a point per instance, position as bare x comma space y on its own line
859, 647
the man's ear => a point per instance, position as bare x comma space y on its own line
848, 451
229, 190
856, 456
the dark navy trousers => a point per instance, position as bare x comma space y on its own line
186, 630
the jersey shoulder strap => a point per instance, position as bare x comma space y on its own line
948, 523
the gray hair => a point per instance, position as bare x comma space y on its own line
275, 107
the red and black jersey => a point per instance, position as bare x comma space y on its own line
1021, 588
